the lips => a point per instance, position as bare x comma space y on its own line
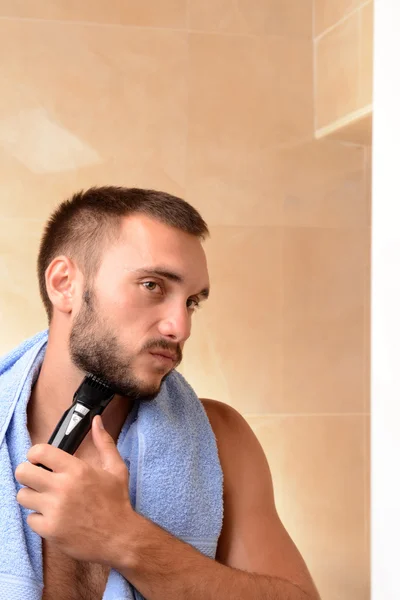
165, 354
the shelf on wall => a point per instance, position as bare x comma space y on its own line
354, 128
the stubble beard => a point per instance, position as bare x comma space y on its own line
94, 349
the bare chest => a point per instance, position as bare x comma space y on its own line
68, 579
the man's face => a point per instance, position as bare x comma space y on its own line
133, 322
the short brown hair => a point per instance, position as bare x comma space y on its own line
81, 226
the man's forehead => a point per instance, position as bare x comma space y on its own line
141, 230
143, 223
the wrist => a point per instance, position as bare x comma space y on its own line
122, 549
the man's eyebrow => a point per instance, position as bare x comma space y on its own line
167, 274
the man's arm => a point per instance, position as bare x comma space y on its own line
256, 558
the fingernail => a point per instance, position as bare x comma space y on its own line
100, 423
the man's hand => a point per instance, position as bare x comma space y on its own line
82, 509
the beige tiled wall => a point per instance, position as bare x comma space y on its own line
329, 12
214, 101
343, 58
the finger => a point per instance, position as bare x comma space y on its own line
34, 477
37, 523
110, 457
55, 459
30, 499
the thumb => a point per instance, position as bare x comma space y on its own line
105, 445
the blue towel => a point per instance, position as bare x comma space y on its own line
175, 477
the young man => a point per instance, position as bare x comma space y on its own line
177, 504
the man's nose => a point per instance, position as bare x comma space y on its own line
176, 325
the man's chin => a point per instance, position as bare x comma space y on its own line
147, 388
151, 386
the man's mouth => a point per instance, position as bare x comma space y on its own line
165, 356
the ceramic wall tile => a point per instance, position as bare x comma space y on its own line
246, 97
260, 17
317, 465
95, 110
152, 13
323, 320
21, 311
366, 16
337, 72
328, 12
321, 183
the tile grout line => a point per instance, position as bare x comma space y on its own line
188, 71
187, 123
29, 219
283, 297
280, 415
367, 368
313, 19
314, 44
359, 61
127, 26
187, 15
367, 490
342, 20
367, 268
154, 28
277, 225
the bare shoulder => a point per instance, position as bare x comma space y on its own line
238, 447
221, 415
253, 537
224, 419
227, 423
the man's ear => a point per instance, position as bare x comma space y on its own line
62, 283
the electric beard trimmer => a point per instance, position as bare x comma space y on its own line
90, 399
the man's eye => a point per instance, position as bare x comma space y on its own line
193, 304
150, 285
